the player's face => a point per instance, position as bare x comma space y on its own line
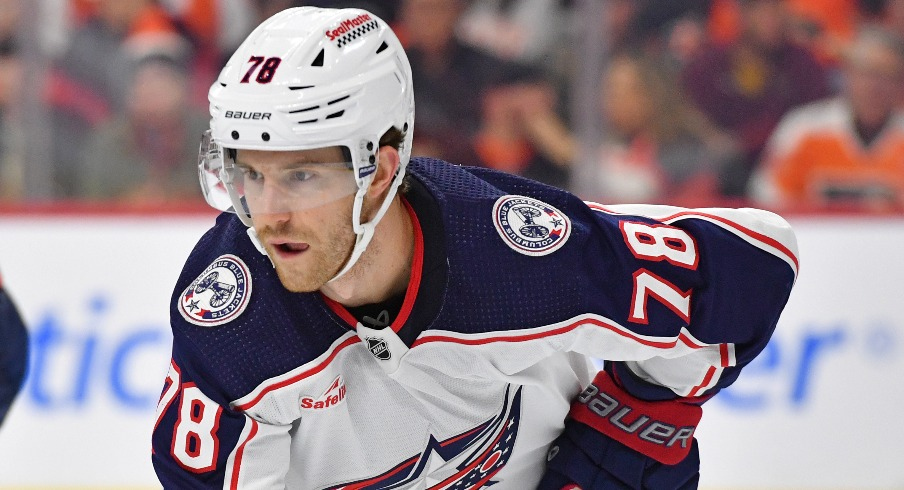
874, 78
308, 236
625, 97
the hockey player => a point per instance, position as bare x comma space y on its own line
13, 351
359, 320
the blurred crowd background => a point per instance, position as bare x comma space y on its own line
782, 104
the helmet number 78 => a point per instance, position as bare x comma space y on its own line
267, 69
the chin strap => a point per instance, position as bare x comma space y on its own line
365, 231
252, 234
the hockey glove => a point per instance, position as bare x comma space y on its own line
613, 440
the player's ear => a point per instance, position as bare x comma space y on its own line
388, 162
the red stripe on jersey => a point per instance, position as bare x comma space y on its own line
706, 379
743, 229
689, 341
747, 231
417, 269
599, 207
414, 280
723, 353
615, 328
462, 436
486, 479
478, 461
237, 464
364, 484
294, 379
340, 310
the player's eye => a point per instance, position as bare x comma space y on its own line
249, 174
301, 176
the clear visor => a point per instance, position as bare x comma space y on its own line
291, 181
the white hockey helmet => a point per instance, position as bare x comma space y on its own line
310, 78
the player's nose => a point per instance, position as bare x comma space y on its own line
272, 206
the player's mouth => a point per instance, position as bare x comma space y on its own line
289, 249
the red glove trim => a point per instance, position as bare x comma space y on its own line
662, 430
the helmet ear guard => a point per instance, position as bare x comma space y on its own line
364, 231
310, 78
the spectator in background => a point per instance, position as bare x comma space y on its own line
891, 16
658, 147
452, 78
148, 153
453, 83
12, 153
214, 29
13, 351
385, 9
524, 31
746, 86
659, 27
847, 150
520, 133
12, 71
264, 9
824, 27
219, 25
101, 51
89, 83
10, 19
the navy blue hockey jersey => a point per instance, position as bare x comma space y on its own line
514, 287
13, 351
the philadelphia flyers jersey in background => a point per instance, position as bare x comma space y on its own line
515, 287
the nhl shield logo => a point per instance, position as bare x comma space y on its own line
378, 348
219, 294
530, 226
